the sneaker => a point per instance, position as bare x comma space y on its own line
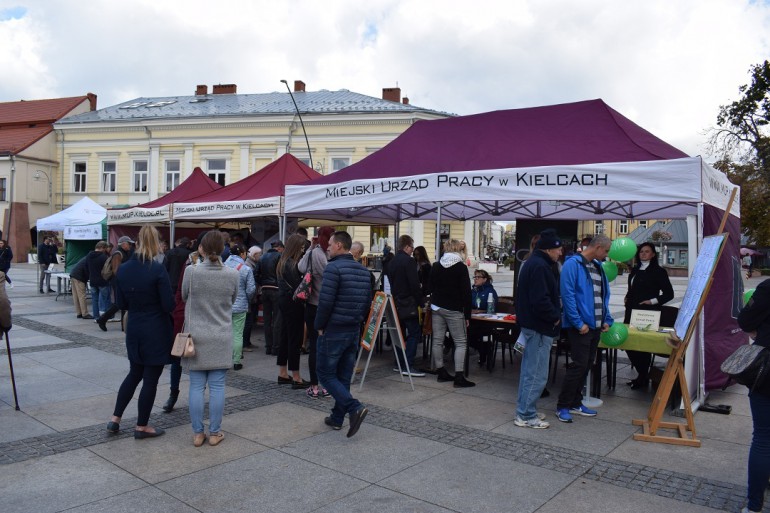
535, 423
563, 415
10, 285
585, 412
325, 393
413, 373
329, 422
313, 394
248, 349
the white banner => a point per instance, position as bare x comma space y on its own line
664, 181
717, 189
138, 215
228, 209
86, 232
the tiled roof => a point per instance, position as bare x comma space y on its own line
239, 105
23, 123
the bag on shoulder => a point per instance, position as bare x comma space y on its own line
183, 346
304, 289
406, 307
749, 365
107, 272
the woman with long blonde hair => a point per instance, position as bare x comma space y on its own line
144, 290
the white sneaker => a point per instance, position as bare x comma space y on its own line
413, 373
10, 285
535, 423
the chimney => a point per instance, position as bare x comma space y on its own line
391, 94
405, 100
299, 86
201, 90
224, 89
91, 100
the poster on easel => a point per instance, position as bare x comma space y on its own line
382, 308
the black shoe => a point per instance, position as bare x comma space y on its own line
87, 316
146, 434
51, 290
639, 384
237, 366
79, 316
113, 427
461, 382
329, 422
102, 322
356, 418
285, 381
172, 397
444, 376
41, 291
268, 351
299, 385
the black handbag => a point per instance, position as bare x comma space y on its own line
748, 365
406, 307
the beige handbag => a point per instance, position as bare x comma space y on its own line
183, 346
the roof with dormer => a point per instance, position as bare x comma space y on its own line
240, 105
25, 122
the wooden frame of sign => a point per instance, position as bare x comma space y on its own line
382, 306
692, 305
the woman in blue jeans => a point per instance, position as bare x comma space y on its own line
755, 320
209, 290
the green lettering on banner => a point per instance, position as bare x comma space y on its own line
373, 322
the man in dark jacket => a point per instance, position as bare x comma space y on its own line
268, 281
46, 255
78, 280
342, 307
100, 289
405, 289
539, 316
175, 261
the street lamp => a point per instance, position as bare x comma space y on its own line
310, 155
50, 190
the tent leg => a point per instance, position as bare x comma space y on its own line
438, 231
171, 233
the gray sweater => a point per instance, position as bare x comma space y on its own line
209, 291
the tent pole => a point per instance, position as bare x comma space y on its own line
171, 226
438, 231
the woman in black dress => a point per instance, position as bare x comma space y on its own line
648, 289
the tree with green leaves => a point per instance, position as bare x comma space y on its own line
741, 141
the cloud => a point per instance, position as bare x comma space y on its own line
666, 65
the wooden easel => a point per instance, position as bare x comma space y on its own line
675, 373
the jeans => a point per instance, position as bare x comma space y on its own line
534, 372
238, 321
583, 352
454, 321
336, 360
148, 375
759, 453
216, 381
412, 333
100, 300
44, 277
271, 318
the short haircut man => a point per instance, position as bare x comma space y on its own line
342, 307
407, 295
357, 250
585, 294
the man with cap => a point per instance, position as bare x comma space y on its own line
267, 280
538, 313
585, 296
120, 255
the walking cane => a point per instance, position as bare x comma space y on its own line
10, 365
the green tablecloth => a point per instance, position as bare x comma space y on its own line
646, 341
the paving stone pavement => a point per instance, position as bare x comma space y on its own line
254, 390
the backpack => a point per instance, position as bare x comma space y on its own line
107, 272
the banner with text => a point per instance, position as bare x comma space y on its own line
138, 215
228, 209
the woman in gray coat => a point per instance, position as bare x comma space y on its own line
209, 290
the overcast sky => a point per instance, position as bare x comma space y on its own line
667, 65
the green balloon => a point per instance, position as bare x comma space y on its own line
747, 295
622, 249
610, 270
616, 335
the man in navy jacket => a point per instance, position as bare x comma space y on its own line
539, 315
342, 306
585, 296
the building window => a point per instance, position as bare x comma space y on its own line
109, 176
671, 257
140, 176
217, 170
379, 237
79, 177
643, 224
340, 163
683, 257
623, 227
304, 161
2, 188
173, 174
598, 227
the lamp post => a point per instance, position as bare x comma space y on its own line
50, 191
309, 154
